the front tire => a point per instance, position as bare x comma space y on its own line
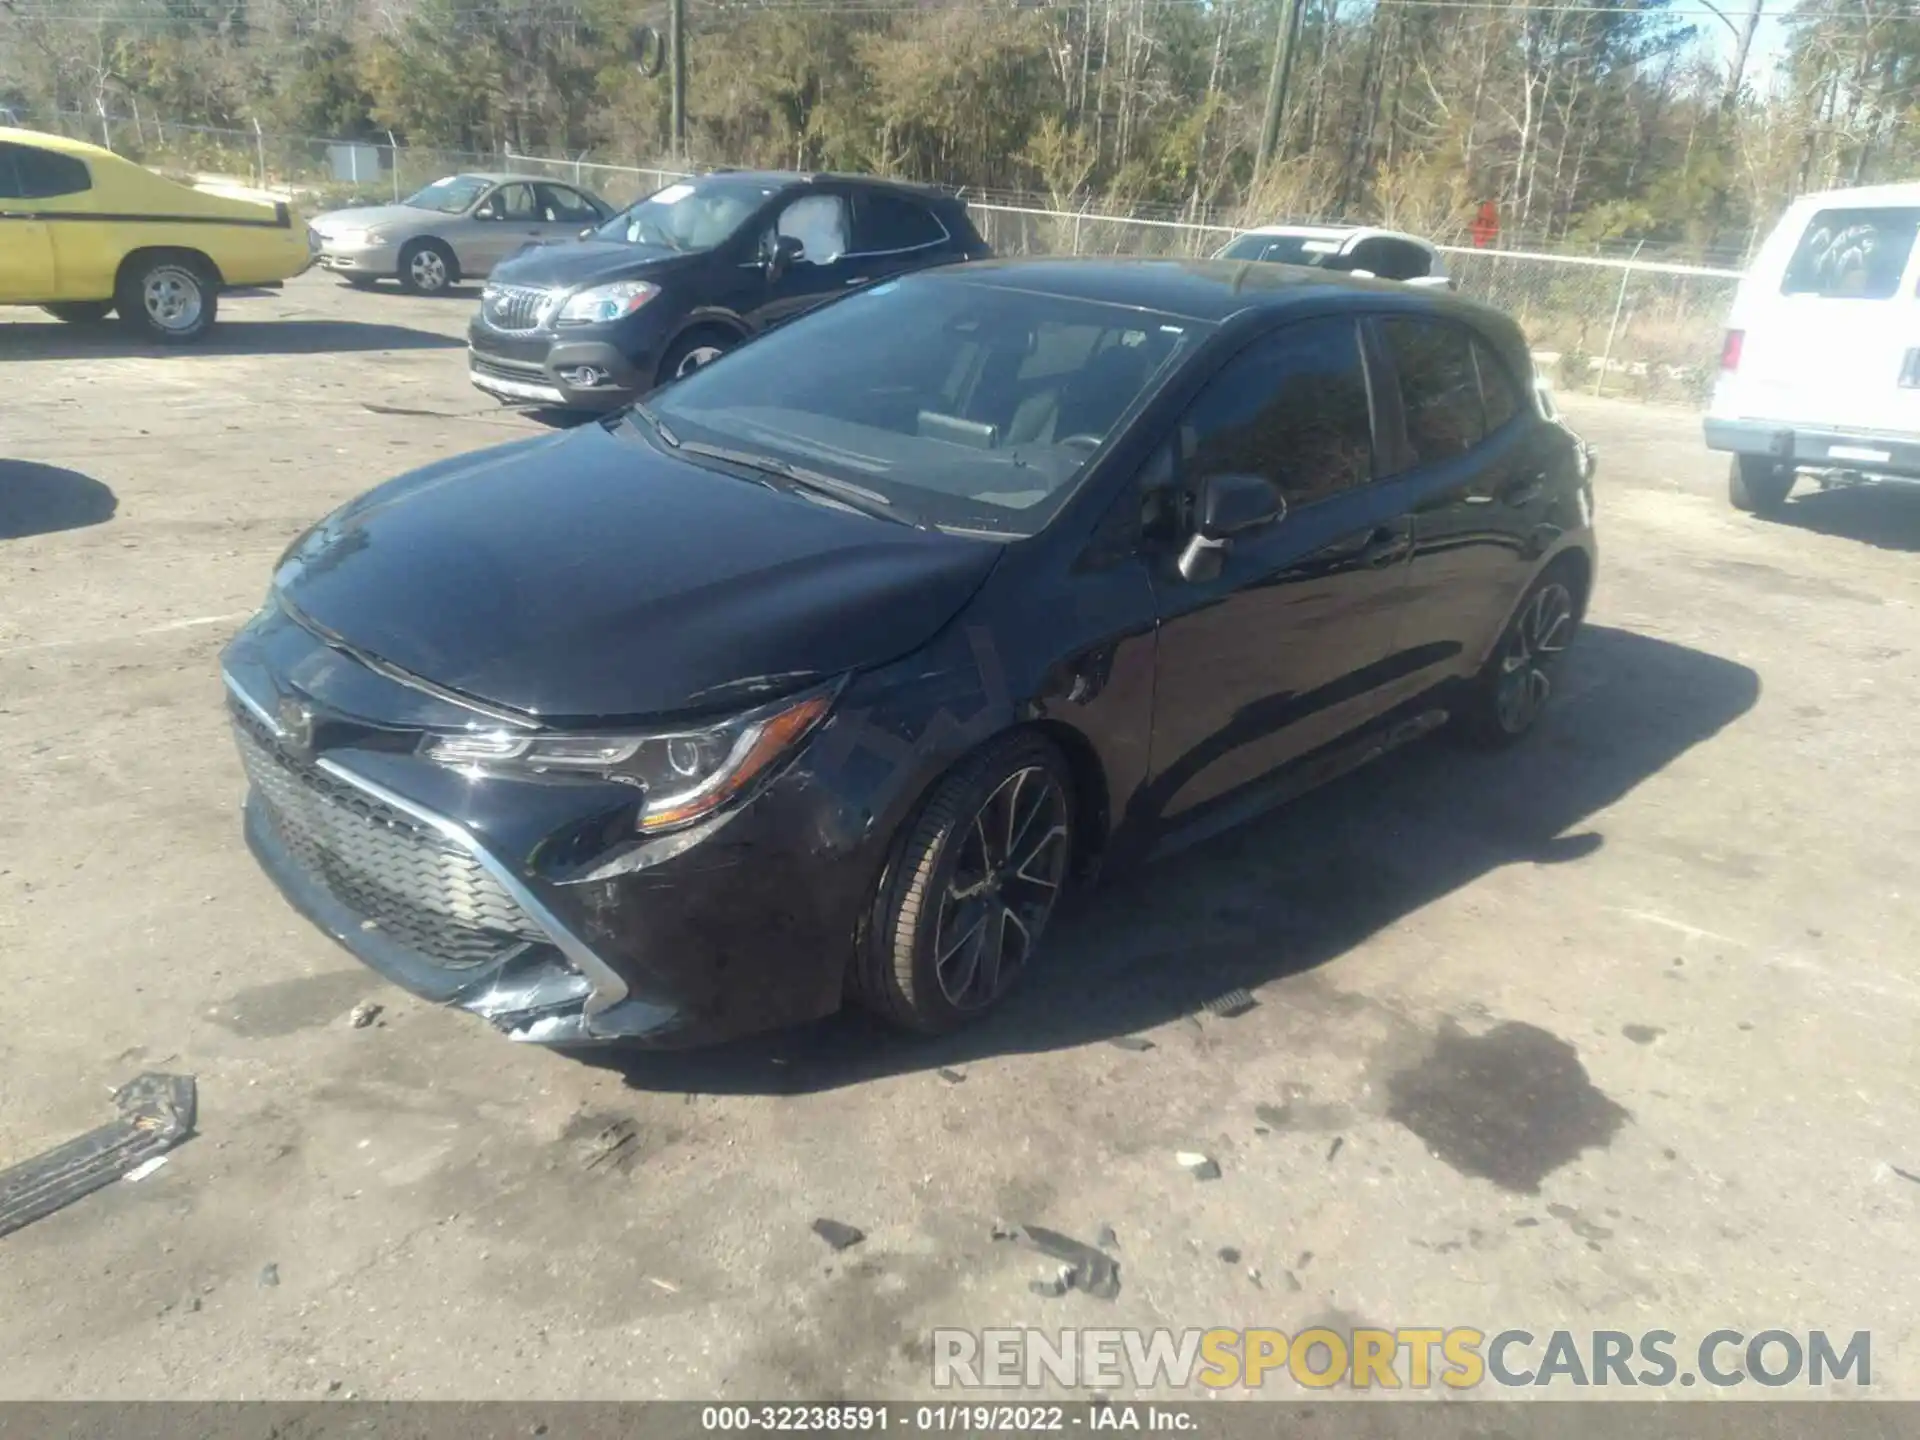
80, 312
1758, 484
693, 352
172, 298
977, 876
427, 267
1506, 699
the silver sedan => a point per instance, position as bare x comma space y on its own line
458, 228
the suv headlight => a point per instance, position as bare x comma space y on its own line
598, 304
686, 774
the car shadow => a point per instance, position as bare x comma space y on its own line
1886, 515
38, 499
1292, 891
53, 340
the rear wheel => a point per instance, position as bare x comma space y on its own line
80, 312
1758, 484
1509, 695
976, 878
171, 297
427, 267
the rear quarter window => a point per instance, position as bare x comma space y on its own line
1852, 254
42, 174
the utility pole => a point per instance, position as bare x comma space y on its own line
1285, 41
677, 62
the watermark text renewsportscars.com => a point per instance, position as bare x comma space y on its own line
1406, 1358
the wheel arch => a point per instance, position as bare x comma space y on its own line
130, 262
721, 322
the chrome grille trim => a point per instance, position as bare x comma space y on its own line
516, 309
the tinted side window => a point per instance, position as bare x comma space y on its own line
1439, 389
1390, 259
41, 174
1292, 407
1852, 254
1499, 395
892, 222
9, 177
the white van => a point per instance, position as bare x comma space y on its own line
1820, 369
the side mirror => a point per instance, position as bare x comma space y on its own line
1228, 506
785, 250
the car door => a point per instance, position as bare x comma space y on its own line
1276, 657
893, 233
26, 246
503, 221
1469, 478
563, 211
822, 222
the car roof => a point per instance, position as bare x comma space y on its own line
1904, 194
1209, 290
1339, 232
780, 178
501, 177
65, 145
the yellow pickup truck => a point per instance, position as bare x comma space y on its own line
85, 233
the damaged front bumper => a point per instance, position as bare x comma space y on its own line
556, 993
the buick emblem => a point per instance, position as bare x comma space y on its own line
296, 726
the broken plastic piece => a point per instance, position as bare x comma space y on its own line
1087, 1269
1053, 1289
156, 1114
269, 1274
144, 1169
1201, 1167
1131, 1042
364, 1014
1232, 1004
839, 1236
952, 1077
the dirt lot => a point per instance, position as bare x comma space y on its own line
1612, 1031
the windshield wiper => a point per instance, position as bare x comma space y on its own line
857, 497
658, 426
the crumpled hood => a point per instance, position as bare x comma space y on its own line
589, 575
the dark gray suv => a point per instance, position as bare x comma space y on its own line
692, 270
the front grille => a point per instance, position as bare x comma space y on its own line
514, 307
420, 889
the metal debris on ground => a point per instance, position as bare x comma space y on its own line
666, 1285
1334, 1148
1201, 1167
952, 1077
156, 1114
1053, 1289
1233, 1004
269, 1275
1131, 1042
364, 1014
1086, 1269
839, 1236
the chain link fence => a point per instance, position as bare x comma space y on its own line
1644, 328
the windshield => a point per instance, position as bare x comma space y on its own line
1284, 249
965, 405
691, 215
450, 196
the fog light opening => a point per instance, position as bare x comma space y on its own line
585, 377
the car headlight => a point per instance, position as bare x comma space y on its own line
359, 237
686, 774
599, 303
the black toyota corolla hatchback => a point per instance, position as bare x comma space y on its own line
822, 675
